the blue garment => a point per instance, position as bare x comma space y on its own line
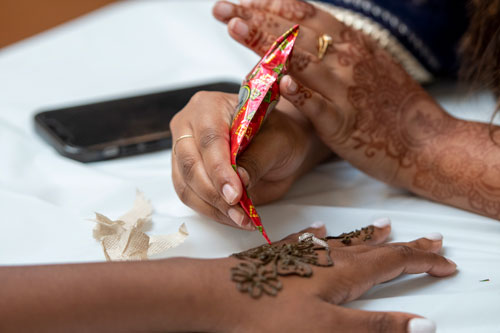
429, 29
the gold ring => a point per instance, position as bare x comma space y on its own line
323, 42
185, 136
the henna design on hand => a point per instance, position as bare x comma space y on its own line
346, 238
300, 97
290, 10
449, 160
258, 273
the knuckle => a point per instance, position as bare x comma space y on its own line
380, 323
403, 251
187, 167
200, 97
210, 136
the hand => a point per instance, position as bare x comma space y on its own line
203, 177
312, 304
197, 295
363, 105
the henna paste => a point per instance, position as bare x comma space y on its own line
258, 273
346, 238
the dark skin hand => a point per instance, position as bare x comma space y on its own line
186, 295
203, 177
367, 109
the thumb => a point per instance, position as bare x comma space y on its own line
329, 124
266, 153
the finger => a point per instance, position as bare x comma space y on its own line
318, 229
211, 131
190, 167
330, 124
258, 40
191, 199
272, 152
385, 263
376, 233
432, 242
297, 11
354, 320
267, 22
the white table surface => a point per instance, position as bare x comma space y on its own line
135, 47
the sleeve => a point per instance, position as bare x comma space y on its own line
423, 35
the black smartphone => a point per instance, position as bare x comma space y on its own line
116, 128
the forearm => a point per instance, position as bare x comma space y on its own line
427, 151
164, 295
460, 166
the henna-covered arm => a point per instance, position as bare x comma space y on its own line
369, 111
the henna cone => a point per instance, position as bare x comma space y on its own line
259, 93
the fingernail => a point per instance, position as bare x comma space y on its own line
435, 236
245, 178
382, 222
317, 225
240, 28
223, 9
236, 216
421, 325
230, 193
249, 226
292, 87
452, 262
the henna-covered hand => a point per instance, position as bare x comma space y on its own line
298, 284
369, 111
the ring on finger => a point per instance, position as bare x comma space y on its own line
185, 136
324, 41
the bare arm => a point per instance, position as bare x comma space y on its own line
191, 295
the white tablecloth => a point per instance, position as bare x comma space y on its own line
142, 46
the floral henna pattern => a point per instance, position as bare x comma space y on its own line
300, 97
291, 10
260, 268
259, 271
448, 160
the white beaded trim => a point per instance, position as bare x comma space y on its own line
381, 35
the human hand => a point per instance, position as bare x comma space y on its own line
203, 177
313, 304
363, 105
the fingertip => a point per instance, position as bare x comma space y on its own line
222, 10
421, 325
445, 268
236, 216
237, 28
435, 236
451, 262
381, 223
230, 194
245, 177
288, 85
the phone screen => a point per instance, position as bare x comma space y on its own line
117, 128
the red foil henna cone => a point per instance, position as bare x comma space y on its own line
259, 93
